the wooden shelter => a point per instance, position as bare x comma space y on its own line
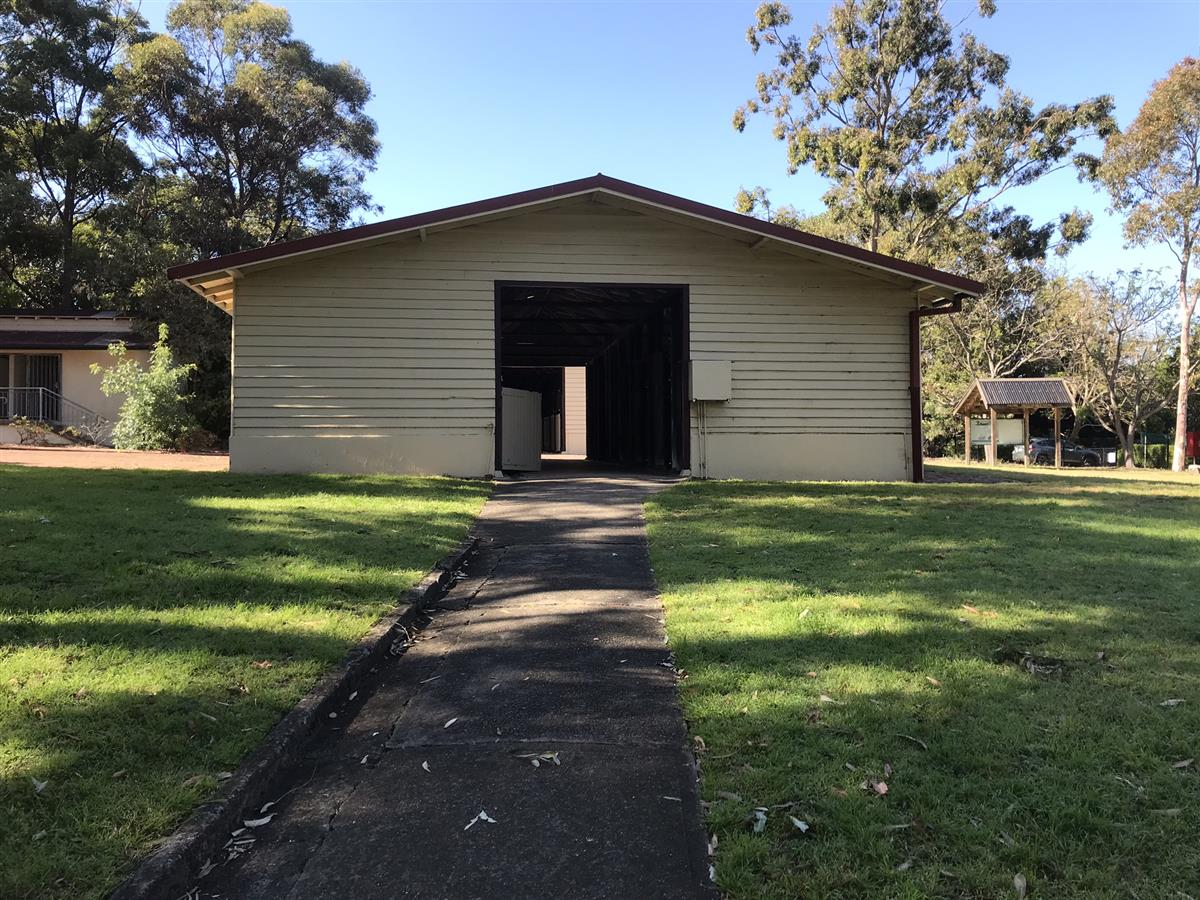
1015, 396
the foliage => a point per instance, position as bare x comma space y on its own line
834, 634
1148, 456
1117, 339
123, 152
914, 124
154, 414
1152, 173
271, 141
67, 157
31, 432
915, 127
155, 625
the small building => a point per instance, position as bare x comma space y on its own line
996, 397
709, 342
45, 366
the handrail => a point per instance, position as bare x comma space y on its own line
41, 404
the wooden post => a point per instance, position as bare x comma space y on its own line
1025, 435
967, 443
992, 436
1057, 438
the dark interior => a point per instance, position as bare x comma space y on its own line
633, 341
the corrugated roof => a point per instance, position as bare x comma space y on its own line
1000, 393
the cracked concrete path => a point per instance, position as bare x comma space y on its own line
552, 643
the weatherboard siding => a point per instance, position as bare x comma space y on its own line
381, 358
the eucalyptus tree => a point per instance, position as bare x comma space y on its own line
1152, 173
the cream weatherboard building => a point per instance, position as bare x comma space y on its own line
709, 342
45, 368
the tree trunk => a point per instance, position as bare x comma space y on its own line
1126, 436
66, 277
1178, 454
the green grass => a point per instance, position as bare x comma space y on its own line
778, 594
155, 625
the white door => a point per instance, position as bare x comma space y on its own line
521, 442
575, 409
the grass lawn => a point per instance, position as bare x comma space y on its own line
836, 635
155, 625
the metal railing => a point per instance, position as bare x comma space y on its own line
39, 404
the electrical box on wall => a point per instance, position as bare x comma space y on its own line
712, 379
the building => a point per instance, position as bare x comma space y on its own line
45, 367
713, 342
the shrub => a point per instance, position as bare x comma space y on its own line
154, 414
1150, 456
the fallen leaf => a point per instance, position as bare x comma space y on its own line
887, 770
875, 786
38, 786
192, 781
450, 722
353, 694
838, 792
905, 866
673, 799
729, 795
757, 820
825, 698
262, 664
1182, 764
933, 681
267, 805
481, 817
800, 824
1171, 704
1020, 886
425, 766
920, 743
223, 776
258, 823
120, 773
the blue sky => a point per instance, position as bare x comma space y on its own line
475, 99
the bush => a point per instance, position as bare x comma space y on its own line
1150, 456
154, 414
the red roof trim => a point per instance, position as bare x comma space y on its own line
566, 189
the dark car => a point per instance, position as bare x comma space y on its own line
1041, 452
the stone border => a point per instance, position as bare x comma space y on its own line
171, 867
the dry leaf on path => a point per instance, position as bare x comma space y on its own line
481, 817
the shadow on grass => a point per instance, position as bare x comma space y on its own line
153, 627
781, 595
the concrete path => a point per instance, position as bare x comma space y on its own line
552, 644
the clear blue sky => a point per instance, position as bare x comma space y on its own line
475, 99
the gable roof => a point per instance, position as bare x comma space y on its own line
197, 275
1004, 394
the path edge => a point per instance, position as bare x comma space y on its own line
176, 861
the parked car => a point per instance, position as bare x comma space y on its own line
1041, 452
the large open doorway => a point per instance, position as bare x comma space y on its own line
632, 341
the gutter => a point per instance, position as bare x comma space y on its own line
938, 308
